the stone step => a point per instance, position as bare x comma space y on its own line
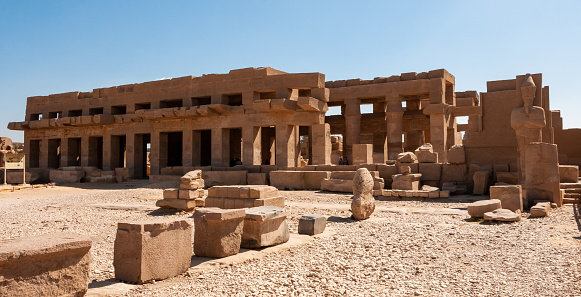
571, 200
570, 185
573, 190
572, 195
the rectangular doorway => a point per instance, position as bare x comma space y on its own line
141, 162
268, 145
54, 153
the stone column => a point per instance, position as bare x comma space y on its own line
196, 148
394, 119
130, 154
439, 135
107, 152
352, 127
220, 147
251, 145
187, 148
414, 139
286, 145
321, 144
153, 153
43, 158
64, 152
85, 150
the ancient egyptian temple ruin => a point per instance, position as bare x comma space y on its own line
256, 118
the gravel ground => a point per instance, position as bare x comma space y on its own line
391, 254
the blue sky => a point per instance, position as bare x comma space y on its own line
49, 47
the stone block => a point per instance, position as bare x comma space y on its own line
481, 179
273, 201
406, 157
569, 173
456, 154
66, 177
191, 175
362, 154
45, 265
444, 194
337, 185
181, 204
122, 174
498, 168
312, 179
406, 181
504, 215
191, 184
264, 226
509, 196
478, 208
190, 194
542, 173
453, 172
312, 224
172, 193
286, 179
413, 166
218, 232
256, 179
510, 178
155, 250
430, 171
218, 178
426, 157
540, 209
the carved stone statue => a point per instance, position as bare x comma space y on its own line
527, 121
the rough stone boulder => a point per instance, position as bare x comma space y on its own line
425, 154
541, 209
501, 214
407, 157
363, 203
456, 154
478, 208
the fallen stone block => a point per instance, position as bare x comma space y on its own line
218, 232
156, 250
45, 265
264, 226
66, 177
568, 173
510, 178
122, 174
171, 193
181, 204
478, 208
407, 157
510, 196
312, 224
540, 209
427, 157
502, 214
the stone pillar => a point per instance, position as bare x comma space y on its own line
321, 144
286, 145
394, 119
220, 147
43, 158
130, 153
64, 152
153, 153
85, 150
439, 135
251, 145
542, 173
187, 148
352, 127
107, 152
414, 139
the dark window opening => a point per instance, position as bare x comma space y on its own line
171, 103
74, 152
36, 116
54, 153
304, 92
170, 149
96, 110
34, 154
268, 145
140, 106
233, 99
55, 114
199, 101
96, 152
141, 155
75, 113
266, 95
121, 109
118, 151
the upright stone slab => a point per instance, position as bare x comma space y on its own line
155, 250
312, 224
264, 226
481, 179
363, 204
46, 265
218, 232
542, 173
510, 196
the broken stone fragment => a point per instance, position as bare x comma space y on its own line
503, 215
363, 203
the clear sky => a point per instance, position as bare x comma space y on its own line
49, 47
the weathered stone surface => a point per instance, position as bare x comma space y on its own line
481, 179
191, 175
155, 250
66, 177
504, 215
181, 204
542, 173
540, 209
406, 181
569, 173
363, 204
218, 232
190, 194
298, 180
194, 184
122, 174
264, 226
171, 193
218, 178
454, 172
478, 208
257, 179
507, 177
510, 196
312, 224
430, 171
456, 154
362, 154
426, 157
46, 265
407, 157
